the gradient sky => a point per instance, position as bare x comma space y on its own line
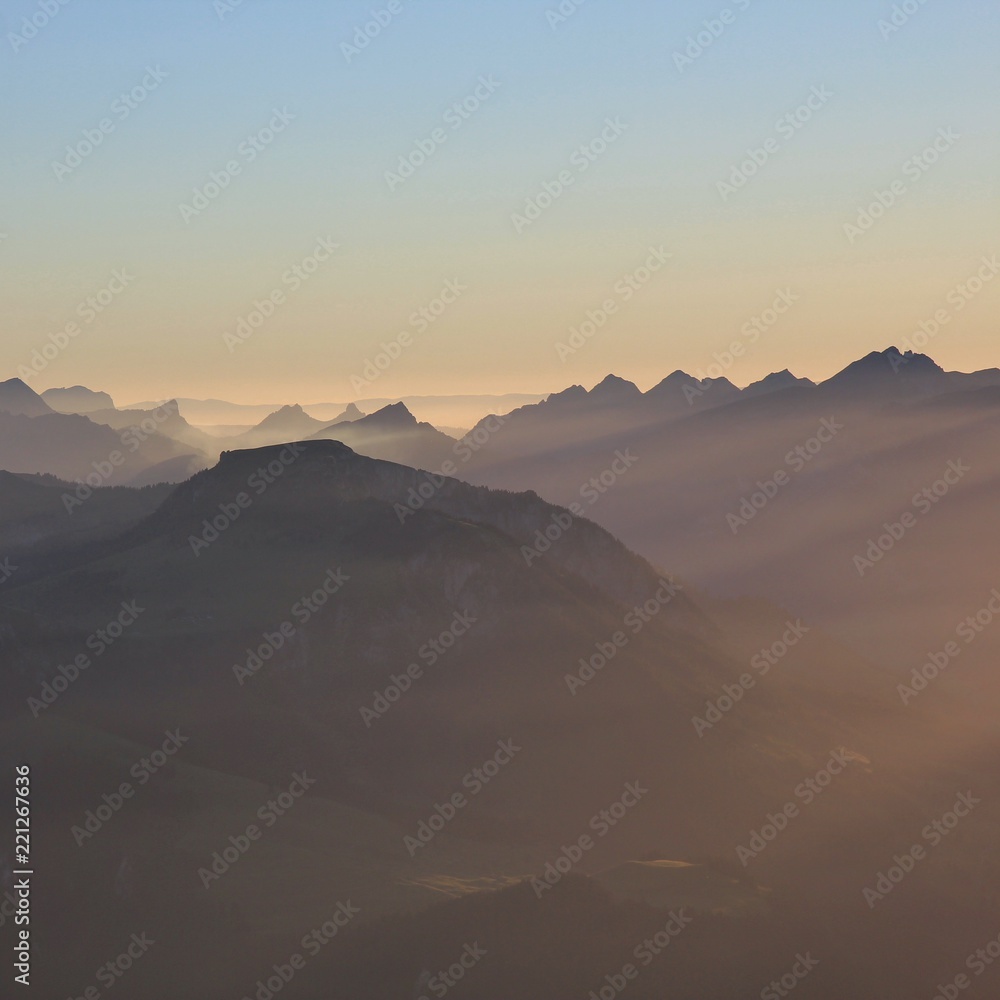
324, 176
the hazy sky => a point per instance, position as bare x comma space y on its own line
547, 86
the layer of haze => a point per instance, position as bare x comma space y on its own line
324, 176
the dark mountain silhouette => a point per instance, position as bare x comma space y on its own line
291, 421
406, 570
680, 393
35, 518
394, 434
20, 399
351, 412
74, 447
282, 594
572, 414
164, 421
451, 410
77, 399
702, 493
776, 382
614, 391
887, 375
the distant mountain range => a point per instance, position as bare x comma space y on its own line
679, 391
704, 449
751, 492
109, 446
882, 376
562, 643
18, 399
457, 410
77, 399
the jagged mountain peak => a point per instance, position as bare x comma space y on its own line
886, 364
351, 412
615, 387
395, 415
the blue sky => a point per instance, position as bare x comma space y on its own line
324, 175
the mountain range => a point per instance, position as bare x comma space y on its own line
606, 663
731, 487
453, 410
449, 670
